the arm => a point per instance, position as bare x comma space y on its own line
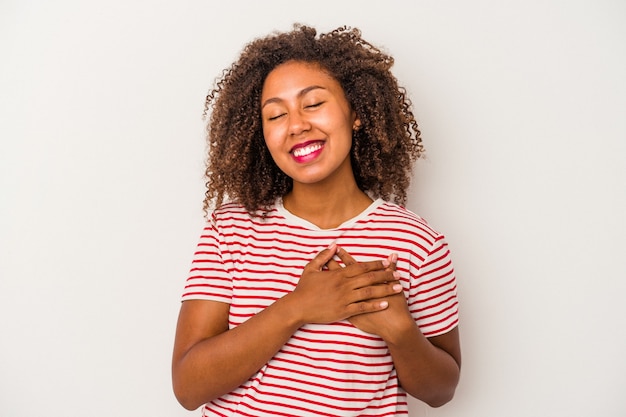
428, 368
209, 360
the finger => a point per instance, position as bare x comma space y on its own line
360, 268
375, 284
364, 307
377, 291
333, 265
322, 258
345, 257
393, 261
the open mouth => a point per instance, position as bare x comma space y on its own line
307, 149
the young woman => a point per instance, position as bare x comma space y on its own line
313, 291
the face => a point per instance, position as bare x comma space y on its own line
307, 123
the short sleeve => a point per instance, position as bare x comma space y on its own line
433, 300
208, 278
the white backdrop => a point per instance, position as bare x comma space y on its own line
522, 106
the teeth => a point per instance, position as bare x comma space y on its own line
307, 149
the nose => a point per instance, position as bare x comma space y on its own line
298, 123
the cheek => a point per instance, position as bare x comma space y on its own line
273, 132
271, 144
268, 137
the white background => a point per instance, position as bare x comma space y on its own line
522, 106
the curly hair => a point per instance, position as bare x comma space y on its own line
239, 165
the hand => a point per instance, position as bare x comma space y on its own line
381, 322
329, 295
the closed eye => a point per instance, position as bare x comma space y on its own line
276, 117
314, 105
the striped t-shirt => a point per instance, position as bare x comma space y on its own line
331, 369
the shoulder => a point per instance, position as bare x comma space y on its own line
392, 213
233, 213
227, 210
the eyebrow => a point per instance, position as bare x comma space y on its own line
300, 94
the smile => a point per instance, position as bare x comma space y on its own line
307, 149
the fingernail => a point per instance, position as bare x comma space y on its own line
386, 263
397, 288
394, 257
332, 246
384, 304
396, 274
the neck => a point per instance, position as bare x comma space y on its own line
326, 207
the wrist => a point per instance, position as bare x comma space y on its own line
401, 330
287, 308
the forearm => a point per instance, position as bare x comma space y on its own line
425, 371
219, 364
209, 360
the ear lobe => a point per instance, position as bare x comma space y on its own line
356, 125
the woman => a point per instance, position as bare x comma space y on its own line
313, 292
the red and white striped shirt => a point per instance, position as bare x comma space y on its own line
331, 369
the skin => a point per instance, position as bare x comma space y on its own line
302, 105
428, 368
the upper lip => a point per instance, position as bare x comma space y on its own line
304, 144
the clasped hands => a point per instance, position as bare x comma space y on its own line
368, 294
